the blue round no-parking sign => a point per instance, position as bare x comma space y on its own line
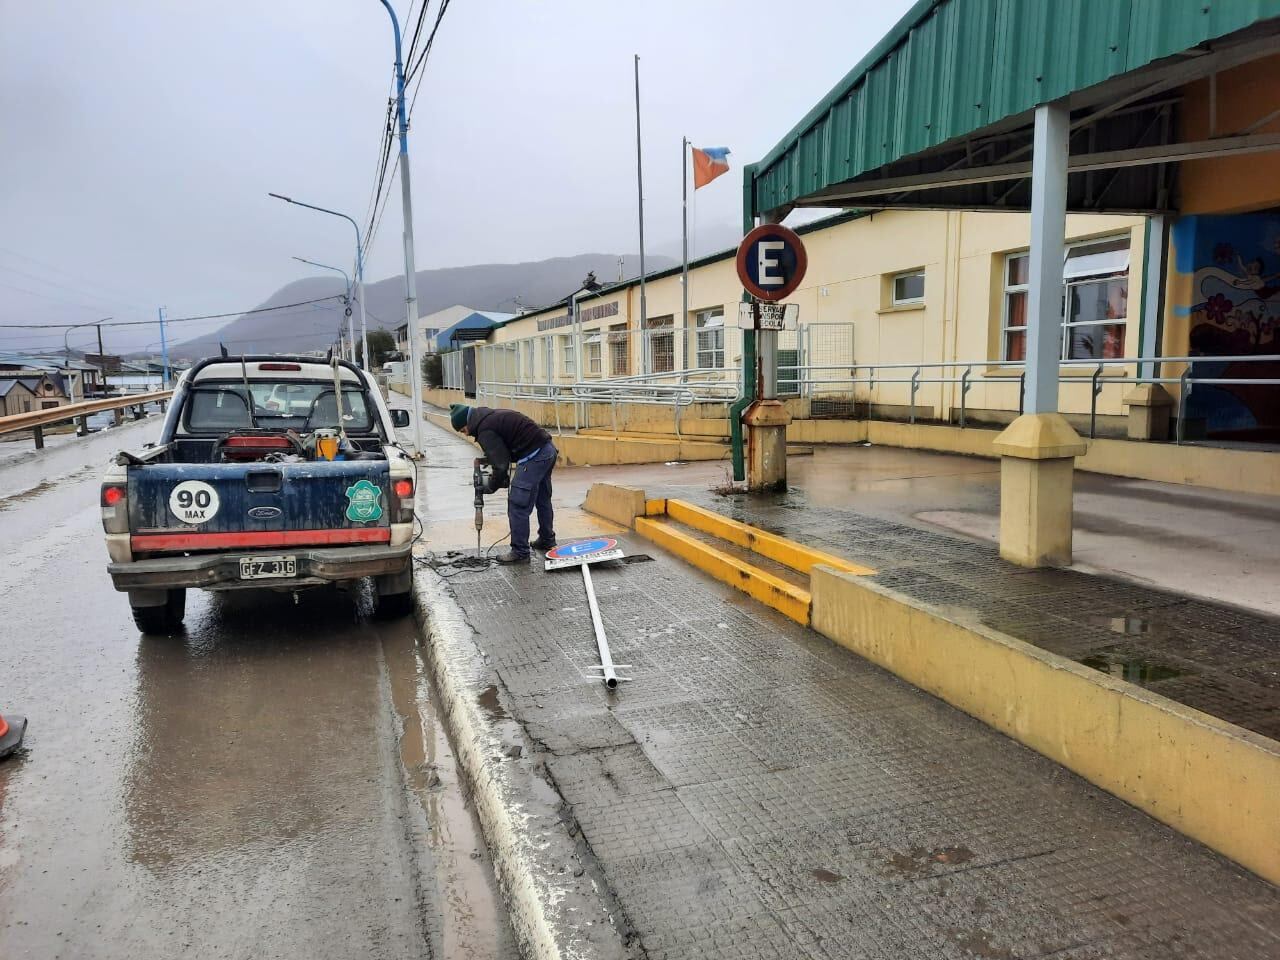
771, 262
582, 548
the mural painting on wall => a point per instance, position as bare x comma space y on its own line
1232, 305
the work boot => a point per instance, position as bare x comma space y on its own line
512, 557
541, 544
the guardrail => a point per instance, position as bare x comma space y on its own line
37, 420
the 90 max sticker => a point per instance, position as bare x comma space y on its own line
194, 502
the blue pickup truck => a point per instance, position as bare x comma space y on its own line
271, 473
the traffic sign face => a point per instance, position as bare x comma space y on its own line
771, 262
575, 554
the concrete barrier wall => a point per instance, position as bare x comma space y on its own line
1204, 777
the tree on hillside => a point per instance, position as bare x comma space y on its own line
381, 346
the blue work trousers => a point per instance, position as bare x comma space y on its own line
530, 489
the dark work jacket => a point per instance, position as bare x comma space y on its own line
505, 436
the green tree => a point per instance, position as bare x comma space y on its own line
433, 370
381, 345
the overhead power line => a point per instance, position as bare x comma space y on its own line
168, 320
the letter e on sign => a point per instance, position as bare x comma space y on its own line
194, 502
771, 262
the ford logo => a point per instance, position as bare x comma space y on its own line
264, 513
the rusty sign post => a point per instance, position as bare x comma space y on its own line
771, 263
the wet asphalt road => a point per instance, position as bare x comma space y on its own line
271, 784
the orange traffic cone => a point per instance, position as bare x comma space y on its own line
12, 728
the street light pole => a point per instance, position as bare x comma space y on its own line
364, 332
406, 203
351, 334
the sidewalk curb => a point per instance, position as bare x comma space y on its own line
553, 898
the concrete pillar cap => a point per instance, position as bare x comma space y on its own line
1148, 395
1040, 436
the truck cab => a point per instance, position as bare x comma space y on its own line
271, 473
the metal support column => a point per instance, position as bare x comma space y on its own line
1048, 228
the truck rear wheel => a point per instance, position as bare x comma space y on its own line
164, 619
393, 606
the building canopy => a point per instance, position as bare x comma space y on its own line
939, 114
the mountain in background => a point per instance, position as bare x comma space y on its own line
504, 287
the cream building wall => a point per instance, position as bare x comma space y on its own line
846, 300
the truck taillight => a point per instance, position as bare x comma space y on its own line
115, 508
402, 487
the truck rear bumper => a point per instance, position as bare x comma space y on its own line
222, 570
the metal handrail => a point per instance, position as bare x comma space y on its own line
69, 411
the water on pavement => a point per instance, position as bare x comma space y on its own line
271, 784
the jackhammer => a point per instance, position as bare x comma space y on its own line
479, 480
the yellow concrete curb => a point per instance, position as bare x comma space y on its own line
1206, 778
786, 598
800, 558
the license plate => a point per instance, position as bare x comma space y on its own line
268, 568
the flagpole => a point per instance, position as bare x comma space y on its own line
684, 194
640, 200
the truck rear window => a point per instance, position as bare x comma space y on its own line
293, 404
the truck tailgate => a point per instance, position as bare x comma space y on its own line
190, 507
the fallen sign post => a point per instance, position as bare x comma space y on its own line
583, 553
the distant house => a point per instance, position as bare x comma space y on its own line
16, 397
474, 326
437, 330
44, 390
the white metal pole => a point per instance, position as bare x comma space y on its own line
410, 278
1048, 229
684, 281
608, 673
644, 314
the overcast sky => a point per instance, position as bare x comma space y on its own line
140, 137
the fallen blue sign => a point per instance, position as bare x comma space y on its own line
595, 550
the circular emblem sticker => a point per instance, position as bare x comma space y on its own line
194, 502
364, 502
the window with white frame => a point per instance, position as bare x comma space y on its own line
591, 347
709, 330
907, 289
662, 344
566, 355
527, 373
1095, 301
619, 354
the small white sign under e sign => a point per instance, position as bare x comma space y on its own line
773, 316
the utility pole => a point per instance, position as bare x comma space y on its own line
644, 315
164, 349
410, 278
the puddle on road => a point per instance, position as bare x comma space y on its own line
1128, 626
488, 700
1139, 670
474, 922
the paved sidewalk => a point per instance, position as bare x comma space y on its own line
759, 792
1216, 658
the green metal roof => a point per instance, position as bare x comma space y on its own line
952, 67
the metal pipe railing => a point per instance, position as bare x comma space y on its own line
683, 387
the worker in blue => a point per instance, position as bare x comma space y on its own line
522, 457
